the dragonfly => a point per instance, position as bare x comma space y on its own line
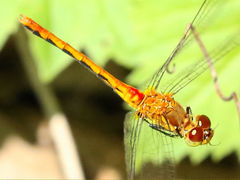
157, 108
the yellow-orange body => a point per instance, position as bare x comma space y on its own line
161, 111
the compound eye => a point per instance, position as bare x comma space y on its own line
196, 134
203, 121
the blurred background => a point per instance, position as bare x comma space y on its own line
57, 120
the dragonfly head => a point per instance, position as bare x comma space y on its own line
202, 133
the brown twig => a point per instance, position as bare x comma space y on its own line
171, 71
180, 44
233, 95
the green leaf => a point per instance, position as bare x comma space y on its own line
9, 11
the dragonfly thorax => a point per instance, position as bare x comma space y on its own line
164, 114
161, 111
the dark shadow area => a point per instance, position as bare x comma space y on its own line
20, 112
227, 168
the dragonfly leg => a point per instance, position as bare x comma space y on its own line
188, 110
233, 95
162, 130
189, 113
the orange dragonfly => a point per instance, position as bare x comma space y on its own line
158, 109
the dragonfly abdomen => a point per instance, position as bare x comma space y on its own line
128, 93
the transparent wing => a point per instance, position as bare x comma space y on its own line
149, 153
132, 129
201, 20
190, 73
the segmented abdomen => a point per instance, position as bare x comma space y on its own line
128, 93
